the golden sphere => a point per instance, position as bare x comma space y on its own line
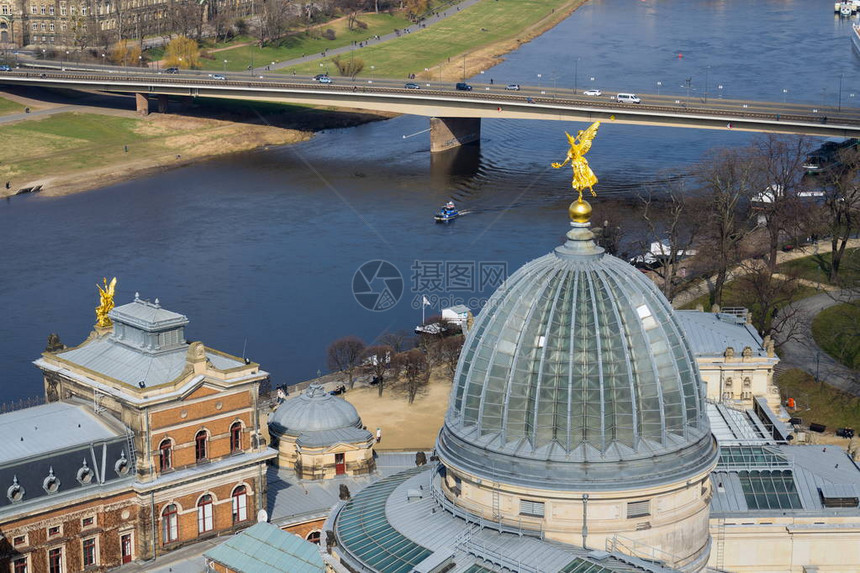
579, 211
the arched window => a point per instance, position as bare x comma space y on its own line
236, 437
204, 514
314, 536
165, 455
200, 446
240, 504
169, 524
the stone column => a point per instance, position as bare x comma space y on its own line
142, 103
450, 132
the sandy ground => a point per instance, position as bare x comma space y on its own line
404, 427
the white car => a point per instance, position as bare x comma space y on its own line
592, 92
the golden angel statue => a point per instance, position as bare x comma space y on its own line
583, 176
106, 296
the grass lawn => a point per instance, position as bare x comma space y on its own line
479, 25
7, 107
817, 267
819, 403
295, 46
835, 330
66, 142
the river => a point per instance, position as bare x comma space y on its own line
260, 249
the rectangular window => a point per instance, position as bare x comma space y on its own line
5, 10
51, 10
43, 10
53, 531
534, 508
51, 26
55, 560
19, 565
89, 551
19, 540
638, 508
88, 521
62, 10
34, 10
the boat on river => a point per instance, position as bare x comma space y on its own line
846, 7
447, 213
855, 37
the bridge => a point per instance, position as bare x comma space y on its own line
455, 115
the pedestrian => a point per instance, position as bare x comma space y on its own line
378, 435
8, 185
491, 81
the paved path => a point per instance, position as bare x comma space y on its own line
705, 286
427, 23
802, 352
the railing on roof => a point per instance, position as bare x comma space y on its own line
624, 545
739, 311
498, 559
21, 404
502, 525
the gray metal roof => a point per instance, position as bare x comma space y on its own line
53, 427
812, 469
325, 438
315, 411
419, 524
291, 499
147, 315
265, 548
709, 334
577, 360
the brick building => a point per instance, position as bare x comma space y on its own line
182, 457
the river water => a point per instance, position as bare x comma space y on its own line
260, 250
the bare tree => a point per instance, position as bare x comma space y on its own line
842, 201
728, 181
274, 19
673, 220
399, 341
769, 299
344, 355
416, 372
778, 162
378, 359
449, 352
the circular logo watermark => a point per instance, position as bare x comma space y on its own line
377, 285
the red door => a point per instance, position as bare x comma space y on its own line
339, 464
125, 541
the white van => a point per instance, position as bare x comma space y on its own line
628, 98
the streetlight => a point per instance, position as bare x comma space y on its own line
374, 67
784, 94
840, 92
104, 62
659, 85
720, 87
707, 73
575, 73
539, 77
464, 67
225, 66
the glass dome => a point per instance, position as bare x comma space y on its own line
575, 371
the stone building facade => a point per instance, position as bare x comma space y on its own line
183, 458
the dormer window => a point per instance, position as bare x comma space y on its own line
51, 484
85, 474
165, 455
16, 491
200, 446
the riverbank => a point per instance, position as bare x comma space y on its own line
67, 145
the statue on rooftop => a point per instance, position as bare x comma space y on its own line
106, 300
583, 176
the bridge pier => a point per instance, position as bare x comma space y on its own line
450, 132
162, 103
141, 103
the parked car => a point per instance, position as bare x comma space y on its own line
592, 92
219, 77
171, 70
412, 86
513, 87
845, 432
463, 87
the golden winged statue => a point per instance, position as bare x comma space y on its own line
583, 176
106, 299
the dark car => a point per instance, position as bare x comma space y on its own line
5, 68
463, 87
412, 86
171, 70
